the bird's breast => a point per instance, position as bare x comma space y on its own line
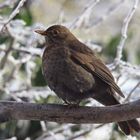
60, 71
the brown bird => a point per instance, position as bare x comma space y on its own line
74, 73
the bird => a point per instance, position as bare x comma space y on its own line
74, 72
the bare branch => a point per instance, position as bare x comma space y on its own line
124, 31
103, 17
7, 3
132, 91
66, 114
84, 17
129, 68
4, 59
14, 13
85, 132
32, 51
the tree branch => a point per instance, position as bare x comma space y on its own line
66, 114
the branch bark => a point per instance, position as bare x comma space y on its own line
66, 114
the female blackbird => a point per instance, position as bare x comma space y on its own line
74, 73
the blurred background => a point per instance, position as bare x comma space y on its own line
100, 24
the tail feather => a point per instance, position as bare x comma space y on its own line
129, 126
126, 126
134, 124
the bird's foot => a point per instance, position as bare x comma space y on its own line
71, 104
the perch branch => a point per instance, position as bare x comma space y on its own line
65, 114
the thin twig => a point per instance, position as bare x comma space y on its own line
53, 132
32, 51
124, 31
132, 70
85, 132
109, 12
80, 19
4, 59
13, 14
6, 3
132, 91
43, 126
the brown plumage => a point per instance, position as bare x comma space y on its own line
74, 73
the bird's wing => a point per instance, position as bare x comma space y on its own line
96, 67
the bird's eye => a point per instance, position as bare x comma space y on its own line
55, 32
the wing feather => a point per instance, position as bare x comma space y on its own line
97, 67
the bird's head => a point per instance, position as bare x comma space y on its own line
56, 34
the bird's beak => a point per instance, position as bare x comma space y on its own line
42, 32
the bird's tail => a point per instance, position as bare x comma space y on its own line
129, 126
126, 126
